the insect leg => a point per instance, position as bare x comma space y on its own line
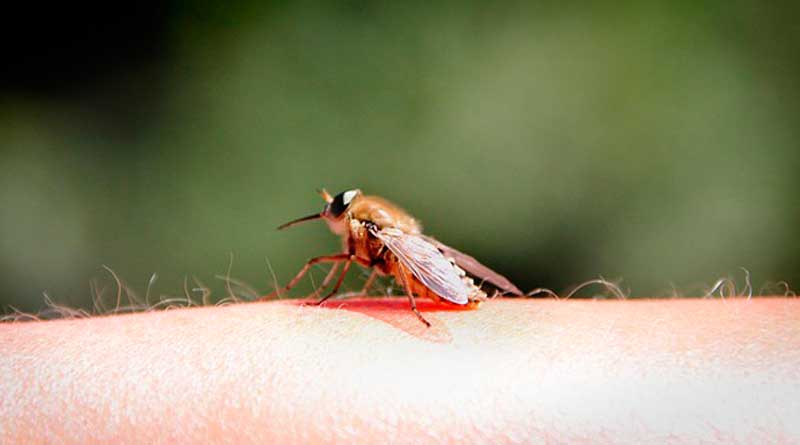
368, 284
326, 281
320, 259
339, 281
407, 285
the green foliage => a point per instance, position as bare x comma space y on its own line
652, 143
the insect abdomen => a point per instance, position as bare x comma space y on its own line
419, 289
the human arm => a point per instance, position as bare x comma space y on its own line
514, 370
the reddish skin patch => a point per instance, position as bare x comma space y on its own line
396, 312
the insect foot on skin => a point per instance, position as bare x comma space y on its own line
381, 236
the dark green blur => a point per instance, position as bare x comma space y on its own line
654, 143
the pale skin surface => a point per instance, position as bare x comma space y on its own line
512, 371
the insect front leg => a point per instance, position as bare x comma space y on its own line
341, 277
364, 292
320, 259
339, 281
326, 281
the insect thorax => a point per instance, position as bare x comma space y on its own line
361, 243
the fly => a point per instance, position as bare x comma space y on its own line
381, 236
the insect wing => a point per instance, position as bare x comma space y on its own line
427, 264
475, 268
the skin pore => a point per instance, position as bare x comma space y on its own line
367, 371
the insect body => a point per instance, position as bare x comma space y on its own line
379, 235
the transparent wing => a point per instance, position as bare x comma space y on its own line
475, 268
427, 264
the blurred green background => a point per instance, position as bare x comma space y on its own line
653, 142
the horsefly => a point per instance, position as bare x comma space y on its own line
383, 237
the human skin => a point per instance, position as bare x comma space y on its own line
367, 371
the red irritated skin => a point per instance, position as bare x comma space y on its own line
366, 371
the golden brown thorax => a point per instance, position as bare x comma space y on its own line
382, 213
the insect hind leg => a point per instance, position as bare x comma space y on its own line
416, 311
407, 285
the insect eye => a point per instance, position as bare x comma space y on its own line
341, 202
